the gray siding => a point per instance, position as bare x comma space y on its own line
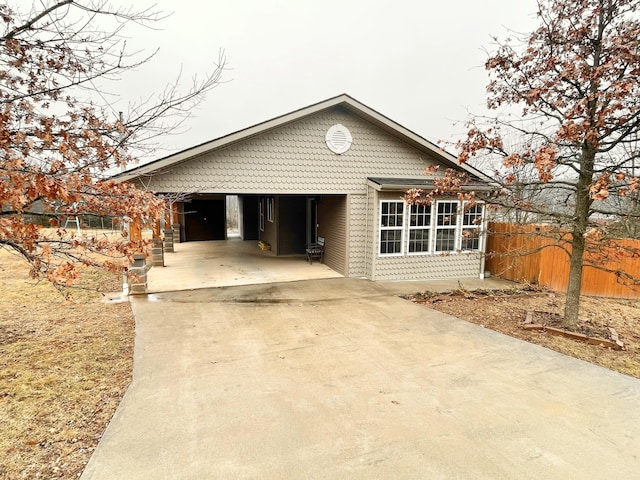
294, 159
332, 221
371, 232
357, 235
421, 267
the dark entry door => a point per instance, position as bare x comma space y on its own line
205, 220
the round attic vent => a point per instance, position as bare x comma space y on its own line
338, 139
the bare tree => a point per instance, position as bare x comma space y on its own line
59, 138
577, 79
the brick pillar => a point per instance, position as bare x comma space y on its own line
176, 232
157, 248
168, 241
175, 222
157, 253
137, 275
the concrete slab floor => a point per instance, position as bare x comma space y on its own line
340, 378
229, 262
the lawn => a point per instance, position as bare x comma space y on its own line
65, 366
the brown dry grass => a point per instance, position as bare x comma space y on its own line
64, 368
505, 312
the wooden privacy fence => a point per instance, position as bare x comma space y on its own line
525, 253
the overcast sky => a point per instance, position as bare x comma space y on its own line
418, 62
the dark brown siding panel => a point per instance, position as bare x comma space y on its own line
250, 217
206, 220
332, 225
270, 232
291, 224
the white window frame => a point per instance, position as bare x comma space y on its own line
447, 226
270, 202
465, 225
416, 228
459, 222
261, 214
388, 228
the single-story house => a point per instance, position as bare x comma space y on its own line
336, 169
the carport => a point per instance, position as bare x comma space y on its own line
223, 263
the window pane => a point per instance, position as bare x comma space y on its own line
420, 215
399, 213
447, 213
390, 241
473, 215
471, 239
445, 240
419, 240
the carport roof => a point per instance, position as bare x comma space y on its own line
344, 101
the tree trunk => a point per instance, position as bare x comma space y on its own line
580, 222
572, 300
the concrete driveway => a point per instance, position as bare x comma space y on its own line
340, 379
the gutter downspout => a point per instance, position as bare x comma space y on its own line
483, 239
369, 240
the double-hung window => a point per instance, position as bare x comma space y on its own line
446, 226
391, 227
419, 228
471, 226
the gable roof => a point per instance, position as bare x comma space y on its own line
344, 101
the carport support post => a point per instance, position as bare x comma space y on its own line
176, 232
137, 271
168, 231
157, 249
175, 222
168, 241
137, 275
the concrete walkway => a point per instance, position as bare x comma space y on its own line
340, 379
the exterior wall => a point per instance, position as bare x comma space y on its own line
270, 232
370, 231
419, 267
332, 225
182, 208
206, 219
294, 159
291, 215
422, 267
248, 207
358, 239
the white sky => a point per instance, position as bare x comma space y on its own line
418, 62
